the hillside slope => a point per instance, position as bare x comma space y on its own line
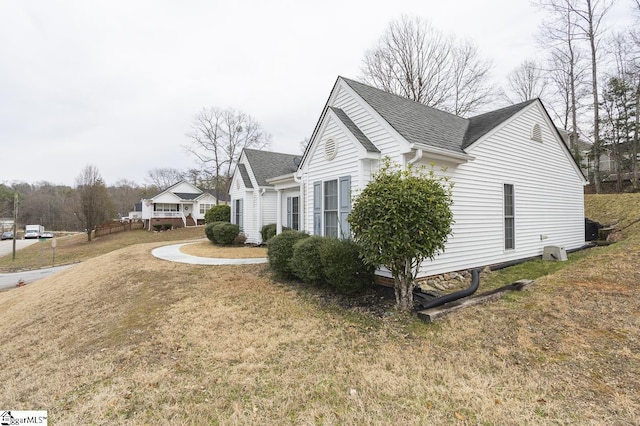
128, 338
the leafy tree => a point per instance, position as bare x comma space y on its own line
618, 124
94, 203
413, 225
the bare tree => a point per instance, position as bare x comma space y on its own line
414, 60
217, 138
164, 177
527, 81
583, 19
590, 14
566, 70
94, 203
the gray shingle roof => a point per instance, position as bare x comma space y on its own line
482, 124
223, 196
245, 176
420, 124
355, 130
416, 122
187, 195
266, 165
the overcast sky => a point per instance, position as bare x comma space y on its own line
116, 83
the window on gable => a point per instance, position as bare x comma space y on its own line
536, 133
509, 217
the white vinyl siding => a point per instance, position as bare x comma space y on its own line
549, 200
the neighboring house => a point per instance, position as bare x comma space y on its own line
517, 186
254, 199
182, 204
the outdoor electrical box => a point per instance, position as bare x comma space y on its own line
554, 253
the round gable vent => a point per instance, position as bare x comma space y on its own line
330, 149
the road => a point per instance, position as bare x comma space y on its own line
10, 280
6, 246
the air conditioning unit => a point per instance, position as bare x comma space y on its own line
554, 253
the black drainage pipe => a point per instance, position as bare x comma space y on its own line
475, 282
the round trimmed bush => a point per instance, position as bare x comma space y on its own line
343, 266
219, 213
208, 231
305, 260
280, 251
225, 233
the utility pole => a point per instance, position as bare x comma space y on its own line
15, 222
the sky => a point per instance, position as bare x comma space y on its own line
116, 83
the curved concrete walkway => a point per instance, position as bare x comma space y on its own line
173, 254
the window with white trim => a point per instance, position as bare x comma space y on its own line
205, 208
237, 213
164, 207
293, 213
509, 217
331, 207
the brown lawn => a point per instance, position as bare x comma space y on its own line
207, 249
125, 337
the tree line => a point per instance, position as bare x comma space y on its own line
588, 77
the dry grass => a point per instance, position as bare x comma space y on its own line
128, 338
207, 249
76, 248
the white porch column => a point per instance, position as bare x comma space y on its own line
278, 211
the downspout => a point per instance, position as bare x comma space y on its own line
302, 206
416, 158
475, 282
260, 194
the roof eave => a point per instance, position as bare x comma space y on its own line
442, 154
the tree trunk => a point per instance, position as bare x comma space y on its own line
634, 150
596, 103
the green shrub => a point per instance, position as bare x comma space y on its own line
343, 267
305, 260
158, 227
280, 251
208, 231
225, 233
240, 240
167, 226
268, 231
219, 213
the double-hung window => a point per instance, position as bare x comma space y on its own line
331, 207
509, 217
237, 213
293, 213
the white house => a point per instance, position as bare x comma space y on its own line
182, 204
517, 187
254, 199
